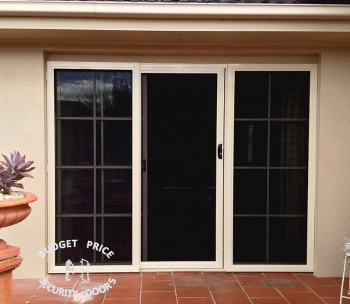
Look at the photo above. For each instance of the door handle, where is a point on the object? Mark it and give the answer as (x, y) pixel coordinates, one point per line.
(220, 147)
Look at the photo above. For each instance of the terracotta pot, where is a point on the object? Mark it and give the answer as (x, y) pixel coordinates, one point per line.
(12, 212)
(15, 210)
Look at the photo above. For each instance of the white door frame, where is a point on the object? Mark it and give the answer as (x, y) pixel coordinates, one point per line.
(225, 132)
(198, 69)
(229, 156)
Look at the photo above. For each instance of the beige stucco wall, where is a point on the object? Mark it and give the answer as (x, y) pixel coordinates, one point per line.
(22, 112)
(333, 178)
(22, 101)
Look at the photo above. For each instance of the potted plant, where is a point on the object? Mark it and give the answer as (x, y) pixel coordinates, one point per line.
(14, 208)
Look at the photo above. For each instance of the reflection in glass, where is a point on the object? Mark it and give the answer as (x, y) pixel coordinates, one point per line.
(289, 143)
(77, 187)
(75, 140)
(288, 191)
(117, 187)
(74, 93)
(250, 143)
(288, 240)
(93, 133)
(290, 94)
(113, 93)
(271, 136)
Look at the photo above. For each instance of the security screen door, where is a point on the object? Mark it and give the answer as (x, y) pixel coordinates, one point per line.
(182, 171)
(95, 129)
(271, 213)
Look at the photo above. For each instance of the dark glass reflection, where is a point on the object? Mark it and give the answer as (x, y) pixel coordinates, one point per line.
(251, 94)
(76, 192)
(118, 236)
(271, 136)
(250, 147)
(117, 142)
(290, 94)
(93, 134)
(289, 143)
(250, 192)
(74, 228)
(74, 93)
(249, 235)
(288, 191)
(113, 93)
(288, 240)
(117, 191)
(74, 139)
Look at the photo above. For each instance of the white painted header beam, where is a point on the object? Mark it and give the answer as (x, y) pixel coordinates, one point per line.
(173, 10)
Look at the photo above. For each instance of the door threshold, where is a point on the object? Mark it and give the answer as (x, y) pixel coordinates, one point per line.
(161, 270)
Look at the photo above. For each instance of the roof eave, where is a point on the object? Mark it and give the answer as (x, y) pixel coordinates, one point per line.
(173, 10)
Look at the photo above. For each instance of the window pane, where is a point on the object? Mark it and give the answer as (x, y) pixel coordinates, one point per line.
(250, 194)
(114, 93)
(117, 191)
(249, 234)
(290, 94)
(77, 191)
(250, 147)
(251, 94)
(288, 191)
(288, 240)
(118, 237)
(74, 93)
(117, 142)
(74, 228)
(74, 141)
(289, 144)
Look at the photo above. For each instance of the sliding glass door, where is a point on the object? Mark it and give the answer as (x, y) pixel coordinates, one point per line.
(95, 167)
(270, 211)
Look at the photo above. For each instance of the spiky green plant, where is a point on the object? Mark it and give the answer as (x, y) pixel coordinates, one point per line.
(13, 170)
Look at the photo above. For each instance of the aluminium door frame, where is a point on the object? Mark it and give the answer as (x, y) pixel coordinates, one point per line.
(229, 163)
(220, 70)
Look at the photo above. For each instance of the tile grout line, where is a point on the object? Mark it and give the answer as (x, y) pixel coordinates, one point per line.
(141, 278)
(105, 294)
(34, 294)
(311, 289)
(243, 289)
(172, 274)
(76, 282)
(211, 294)
(278, 290)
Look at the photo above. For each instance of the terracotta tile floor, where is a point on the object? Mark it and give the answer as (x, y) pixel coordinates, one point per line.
(181, 288)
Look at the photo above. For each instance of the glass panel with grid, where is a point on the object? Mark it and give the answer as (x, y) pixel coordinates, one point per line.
(93, 128)
(271, 167)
